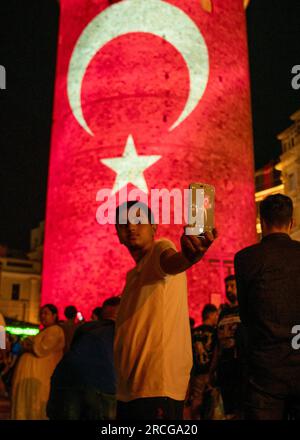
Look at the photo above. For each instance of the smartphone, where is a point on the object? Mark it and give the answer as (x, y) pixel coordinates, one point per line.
(201, 209)
(79, 316)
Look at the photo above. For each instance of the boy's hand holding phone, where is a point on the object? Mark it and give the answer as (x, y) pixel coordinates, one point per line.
(194, 247)
(201, 232)
(198, 235)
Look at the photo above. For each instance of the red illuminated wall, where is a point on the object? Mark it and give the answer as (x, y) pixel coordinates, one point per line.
(138, 84)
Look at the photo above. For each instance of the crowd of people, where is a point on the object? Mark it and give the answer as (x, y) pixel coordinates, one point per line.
(217, 383)
(27, 364)
(8, 360)
(66, 372)
(141, 357)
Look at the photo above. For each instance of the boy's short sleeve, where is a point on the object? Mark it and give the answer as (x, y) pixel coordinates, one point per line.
(161, 246)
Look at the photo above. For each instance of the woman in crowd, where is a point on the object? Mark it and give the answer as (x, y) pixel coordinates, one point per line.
(31, 381)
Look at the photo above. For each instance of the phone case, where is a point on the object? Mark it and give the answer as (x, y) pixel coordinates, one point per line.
(201, 215)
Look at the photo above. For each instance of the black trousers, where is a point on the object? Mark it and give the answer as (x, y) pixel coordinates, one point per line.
(88, 403)
(230, 381)
(150, 408)
(271, 401)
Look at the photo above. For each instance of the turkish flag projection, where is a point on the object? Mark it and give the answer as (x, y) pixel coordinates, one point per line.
(149, 94)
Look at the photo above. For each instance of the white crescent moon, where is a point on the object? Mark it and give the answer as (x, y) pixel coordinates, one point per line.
(149, 16)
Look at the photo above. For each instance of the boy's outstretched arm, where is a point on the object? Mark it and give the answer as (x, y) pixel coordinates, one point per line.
(192, 250)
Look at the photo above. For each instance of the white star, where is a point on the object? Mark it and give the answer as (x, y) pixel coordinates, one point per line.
(130, 167)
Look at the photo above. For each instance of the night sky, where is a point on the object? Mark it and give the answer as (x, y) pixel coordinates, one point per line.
(28, 36)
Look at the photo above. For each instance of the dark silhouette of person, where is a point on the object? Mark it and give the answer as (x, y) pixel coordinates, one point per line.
(268, 282)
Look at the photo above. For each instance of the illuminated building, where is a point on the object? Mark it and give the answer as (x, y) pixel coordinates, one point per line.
(149, 94)
(289, 166)
(20, 281)
(283, 176)
(267, 182)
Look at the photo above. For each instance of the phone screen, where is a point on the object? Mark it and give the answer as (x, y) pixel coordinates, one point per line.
(79, 316)
(201, 213)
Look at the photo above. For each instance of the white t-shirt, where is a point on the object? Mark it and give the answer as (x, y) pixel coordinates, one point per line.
(153, 354)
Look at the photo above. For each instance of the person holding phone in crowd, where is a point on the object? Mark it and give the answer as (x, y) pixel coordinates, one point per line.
(152, 350)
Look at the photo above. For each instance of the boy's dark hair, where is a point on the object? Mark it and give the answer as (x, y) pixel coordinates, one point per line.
(70, 312)
(140, 205)
(112, 302)
(276, 210)
(207, 310)
(229, 278)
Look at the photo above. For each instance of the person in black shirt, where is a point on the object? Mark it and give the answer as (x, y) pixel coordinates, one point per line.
(204, 341)
(83, 385)
(227, 362)
(268, 281)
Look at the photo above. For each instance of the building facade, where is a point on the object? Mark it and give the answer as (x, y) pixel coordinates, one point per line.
(283, 176)
(267, 182)
(20, 280)
(289, 166)
(20, 283)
